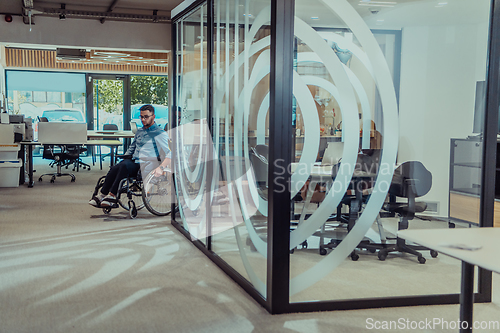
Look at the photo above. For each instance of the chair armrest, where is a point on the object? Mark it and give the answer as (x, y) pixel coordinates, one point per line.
(124, 157)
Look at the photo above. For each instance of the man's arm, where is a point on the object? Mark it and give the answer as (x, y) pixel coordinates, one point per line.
(163, 141)
(131, 148)
(164, 166)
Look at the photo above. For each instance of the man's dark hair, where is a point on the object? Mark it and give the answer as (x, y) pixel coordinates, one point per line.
(147, 107)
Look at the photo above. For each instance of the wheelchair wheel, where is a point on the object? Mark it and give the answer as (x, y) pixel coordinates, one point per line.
(156, 194)
(135, 191)
(132, 211)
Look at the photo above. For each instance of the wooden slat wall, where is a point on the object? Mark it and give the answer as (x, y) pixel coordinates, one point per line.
(46, 59)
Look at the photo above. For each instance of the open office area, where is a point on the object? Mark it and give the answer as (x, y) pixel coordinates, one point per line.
(325, 154)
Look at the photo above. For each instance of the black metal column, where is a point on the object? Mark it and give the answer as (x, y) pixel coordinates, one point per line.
(490, 141)
(280, 154)
(210, 145)
(172, 82)
(127, 110)
(466, 297)
(89, 101)
(127, 104)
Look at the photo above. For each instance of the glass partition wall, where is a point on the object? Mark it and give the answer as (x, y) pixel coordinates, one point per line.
(301, 124)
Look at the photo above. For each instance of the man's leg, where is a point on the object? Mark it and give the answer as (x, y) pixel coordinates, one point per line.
(112, 180)
(127, 168)
(111, 176)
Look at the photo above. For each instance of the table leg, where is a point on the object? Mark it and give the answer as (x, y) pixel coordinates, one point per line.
(112, 156)
(309, 194)
(30, 166)
(22, 171)
(355, 205)
(467, 297)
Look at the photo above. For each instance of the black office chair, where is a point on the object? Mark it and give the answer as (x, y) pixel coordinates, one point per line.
(60, 158)
(367, 161)
(73, 153)
(108, 127)
(411, 180)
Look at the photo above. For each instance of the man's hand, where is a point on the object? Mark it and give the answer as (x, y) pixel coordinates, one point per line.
(158, 172)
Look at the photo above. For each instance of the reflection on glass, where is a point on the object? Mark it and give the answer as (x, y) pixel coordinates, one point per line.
(241, 103)
(191, 133)
(374, 94)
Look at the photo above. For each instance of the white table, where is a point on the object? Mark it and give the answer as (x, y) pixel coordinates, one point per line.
(109, 134)
(323, 174)
(319, 174)
(486, 256)
(112, 144)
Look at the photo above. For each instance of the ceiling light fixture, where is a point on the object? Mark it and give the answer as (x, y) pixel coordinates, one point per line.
(377, 3)
(62, 16)
(314, 18)
(374, 5)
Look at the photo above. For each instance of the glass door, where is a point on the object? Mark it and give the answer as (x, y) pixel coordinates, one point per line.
(108, 99)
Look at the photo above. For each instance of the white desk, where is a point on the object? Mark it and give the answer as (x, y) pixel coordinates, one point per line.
(112, 144)
(109, 134)
(485, 257)
(323, 174)
(319, 174)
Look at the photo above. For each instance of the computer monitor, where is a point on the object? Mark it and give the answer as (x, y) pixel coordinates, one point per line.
(479, 107)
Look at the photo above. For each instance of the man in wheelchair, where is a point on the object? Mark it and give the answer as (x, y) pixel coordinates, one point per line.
(149, 145)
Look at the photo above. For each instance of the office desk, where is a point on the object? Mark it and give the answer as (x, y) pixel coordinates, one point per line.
(109, 134)
(319, 174)
(112, 144)
(28, 161)
(95, 136)
(485, 257)
(323, 174)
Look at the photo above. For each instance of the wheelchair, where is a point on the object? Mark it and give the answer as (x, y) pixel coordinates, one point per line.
(135, 193)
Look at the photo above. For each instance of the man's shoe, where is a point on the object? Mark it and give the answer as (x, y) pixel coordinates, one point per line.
(96, 200)
(109, 201)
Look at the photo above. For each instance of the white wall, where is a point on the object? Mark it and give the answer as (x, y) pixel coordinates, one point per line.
(85, 33)
(439, 69)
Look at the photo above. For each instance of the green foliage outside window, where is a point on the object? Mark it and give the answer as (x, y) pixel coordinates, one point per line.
(149, 90)
(143, 90)
(110, 94)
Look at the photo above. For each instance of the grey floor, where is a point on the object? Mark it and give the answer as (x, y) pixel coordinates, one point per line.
(67, 267)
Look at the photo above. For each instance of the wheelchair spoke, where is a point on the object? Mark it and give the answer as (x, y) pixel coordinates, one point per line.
(156, 194)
